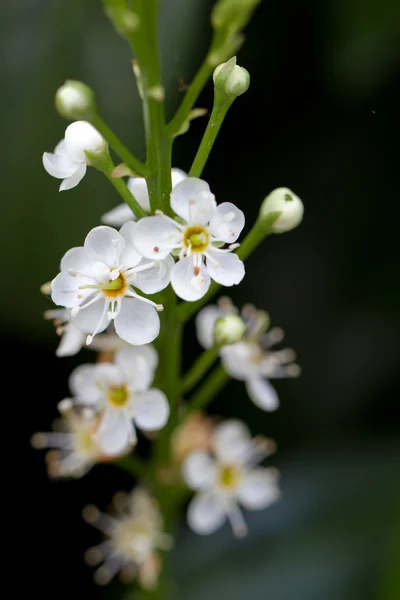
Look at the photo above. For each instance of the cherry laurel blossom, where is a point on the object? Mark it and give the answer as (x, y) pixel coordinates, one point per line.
(229, 478)
(203, 227)
(98, 280)
(120, 394)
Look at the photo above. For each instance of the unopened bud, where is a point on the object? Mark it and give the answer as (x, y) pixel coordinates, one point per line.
(75, 100)
(284, 201)
(228, 330)
(231, 79)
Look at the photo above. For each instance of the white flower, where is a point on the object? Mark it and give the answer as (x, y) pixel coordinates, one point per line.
(252, 359)
(134, 534)
(75, 448)
(205, 228)
(97, 282)
(284, 201)
(120, 394)
(228, 478)
(69, 161)
(137, 185)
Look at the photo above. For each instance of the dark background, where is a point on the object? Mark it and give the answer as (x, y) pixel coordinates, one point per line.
(321, 117)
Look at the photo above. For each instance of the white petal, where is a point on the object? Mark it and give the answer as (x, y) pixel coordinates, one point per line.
(76, 259)
(198, 470)
(205, 513)
(205, 322)
(83, 384)
(151, 410)
(130, 256)
(58, 165)
(155, 237)
(227, 223)
(240, 360)
(192, 200)
(137, 322)
(258, 489)
(118, 216)
(73, 180)
(225, 268)
(105, 244)
(115, 432)
(232, 441)
(60, 148)
(65, 289)
(155, 279)
(80, 136)
(177, 175)
(92, 318)
(262, 393)
(186, 284)
(138, 189)
(137, 364)
(71, 342)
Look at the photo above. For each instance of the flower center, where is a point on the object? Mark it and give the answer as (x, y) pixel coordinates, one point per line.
(115, 288)
(117, 395)
(228, 477)
(196, 238)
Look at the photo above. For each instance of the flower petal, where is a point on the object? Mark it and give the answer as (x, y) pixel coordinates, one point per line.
(74, 179)
(205, 513)
(65, 289)
(198, 470)
(227, 223)
(192, 200)
(258, 489)
(151, 410)
(232, 441)
(262, 393)
(76, 259)
(83, 385)
(105, 244)
(137, 364)
(92, 318)
(155, 237)
(205, 322)
(177, 175)
(186, 284)
(119, 215)
(137, 322)
(138, 188)
(155, 279)
(59, 165)
(130, 256)
(240, 360)
(115, 432)
(71, 342)
(225, 268)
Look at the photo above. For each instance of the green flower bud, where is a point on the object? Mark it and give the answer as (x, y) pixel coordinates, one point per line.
(232, 14)
(228, 330)
(284, 201)
(75, 101)
(231, 79)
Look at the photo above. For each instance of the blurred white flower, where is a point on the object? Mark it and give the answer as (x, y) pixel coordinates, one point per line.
(120, 394)
(206, 227)
(229, 478)
(137, 185)
(97, 283)
(134, 535)
(69, 161)
(252, 359)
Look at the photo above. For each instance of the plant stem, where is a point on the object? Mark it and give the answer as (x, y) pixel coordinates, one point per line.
(207, 392)
(126, 195)
(118, 147)
(198, 370)
(218, 115)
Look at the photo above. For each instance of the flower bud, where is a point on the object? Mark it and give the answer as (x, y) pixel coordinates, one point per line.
(75, 100)
(232, 14)
(81, 137)
(231, 79)
(284, 201)
(228, 330)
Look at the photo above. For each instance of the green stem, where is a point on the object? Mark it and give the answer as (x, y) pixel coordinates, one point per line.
(126, 195)
(198, 370)
(207, 392)
(118, 147)
(218, 115)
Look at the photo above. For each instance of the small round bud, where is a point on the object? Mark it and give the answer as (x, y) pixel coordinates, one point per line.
(81, 137)
(288, 204)
(231, 79)
(75, 100)
(228, 330)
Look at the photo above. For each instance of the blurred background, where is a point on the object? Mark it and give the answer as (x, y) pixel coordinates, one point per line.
(322, 118)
